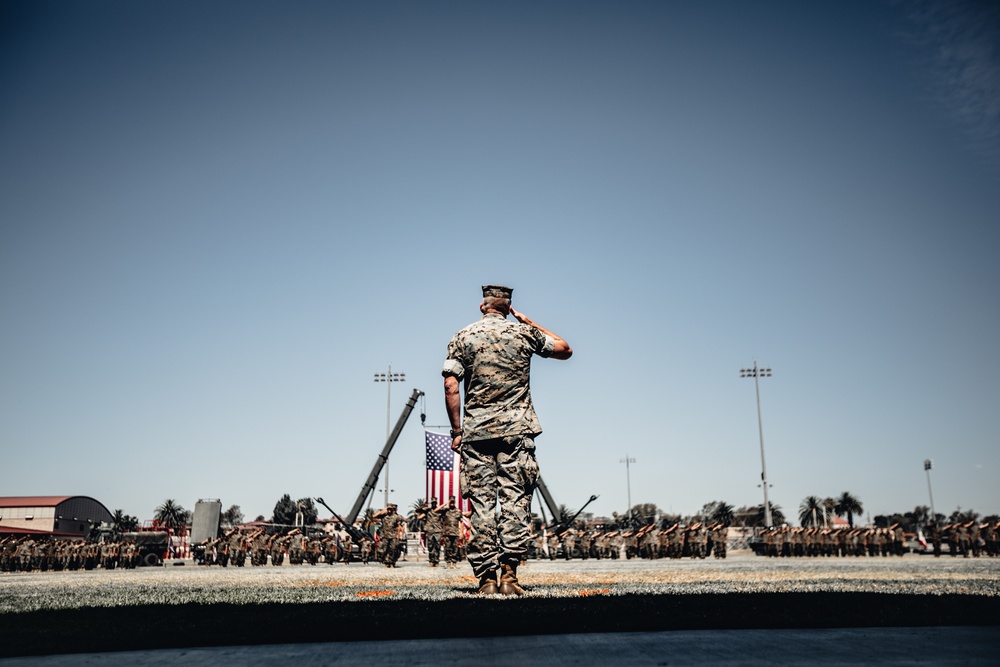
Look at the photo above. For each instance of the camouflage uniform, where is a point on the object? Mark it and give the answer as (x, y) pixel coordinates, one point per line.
(720, 535)
(990, 539)
(389, 542)
(432, 531)
(539, 545)
(451, 526)
(345, 546)
(279, 547)
(584, 543)
(553, 544)
(366, 550)
(935, 534)
(898, 541)
(569, 543)
(237, 548)
(313, 550)
(650, 542)
(258, 548)
(962, 533)
(493, 359)
(296, 553)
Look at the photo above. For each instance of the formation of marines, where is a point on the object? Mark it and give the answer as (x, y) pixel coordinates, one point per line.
(238, 545)
(443, 531)
(967, 538)
(41, 554)
(235, 547)
(814, 542)
(963, 538)
(696, 540)
(442, 525)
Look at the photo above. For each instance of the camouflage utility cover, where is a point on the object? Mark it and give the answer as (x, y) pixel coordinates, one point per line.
(493, 357)
(390, 523)
(432, 522)
(451, 519)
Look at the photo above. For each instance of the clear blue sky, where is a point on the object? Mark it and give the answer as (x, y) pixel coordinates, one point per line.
(219, 220)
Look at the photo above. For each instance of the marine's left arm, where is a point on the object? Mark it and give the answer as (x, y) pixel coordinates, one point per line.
(453, 404)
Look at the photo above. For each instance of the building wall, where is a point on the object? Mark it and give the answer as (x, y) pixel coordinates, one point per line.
(76, 514)
(34, 518)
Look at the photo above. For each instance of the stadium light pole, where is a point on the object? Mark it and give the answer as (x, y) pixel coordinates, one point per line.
(928, 464)
(388, 377)
(628, 481)
(756, 374)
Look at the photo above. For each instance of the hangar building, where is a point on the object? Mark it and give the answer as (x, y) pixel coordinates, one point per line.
(65, 516)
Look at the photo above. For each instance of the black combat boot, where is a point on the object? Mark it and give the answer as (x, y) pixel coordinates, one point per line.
(488, 583)
(508, 580)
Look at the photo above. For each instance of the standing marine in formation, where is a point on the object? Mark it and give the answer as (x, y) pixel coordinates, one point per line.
(389, 534)
(431, 517)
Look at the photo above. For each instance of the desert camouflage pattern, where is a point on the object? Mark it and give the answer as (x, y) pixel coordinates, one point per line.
(493, 358)
(503, 468)
(389, 542)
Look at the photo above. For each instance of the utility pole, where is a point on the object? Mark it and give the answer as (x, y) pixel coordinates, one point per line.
(628, 481)
(757, 373)
(388, 377)
(928, 464)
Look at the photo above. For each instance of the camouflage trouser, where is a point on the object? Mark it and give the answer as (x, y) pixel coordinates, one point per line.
(451, 548)
(433, 548)
(501, 469)
(390, 551)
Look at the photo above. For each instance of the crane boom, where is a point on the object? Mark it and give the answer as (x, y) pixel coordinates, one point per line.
(383, 457)
(557, 516)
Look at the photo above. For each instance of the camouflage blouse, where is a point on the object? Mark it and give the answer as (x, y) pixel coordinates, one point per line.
(493, 357)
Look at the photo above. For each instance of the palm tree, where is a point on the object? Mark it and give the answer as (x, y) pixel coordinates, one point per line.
(723, 513)
(122, 522)
(808, 511)
(172, 515)
(415, 524)
(777, 516)
(828, 505)
(564, 513)
(849, 505)
(755, 516)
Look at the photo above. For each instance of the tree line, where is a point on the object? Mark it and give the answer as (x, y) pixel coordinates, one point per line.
(814, 512)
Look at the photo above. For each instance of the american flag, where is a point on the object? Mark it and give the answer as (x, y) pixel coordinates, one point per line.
(442, 471)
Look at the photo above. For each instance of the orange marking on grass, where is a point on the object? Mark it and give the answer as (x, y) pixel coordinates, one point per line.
(368, 594)
(594, 591)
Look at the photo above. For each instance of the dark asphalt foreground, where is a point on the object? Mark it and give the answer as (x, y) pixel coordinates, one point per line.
(914, 610)
(882, 646)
